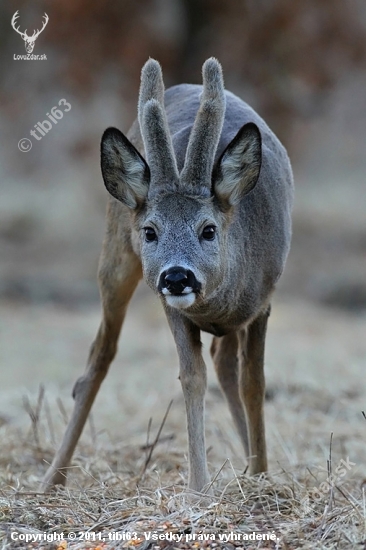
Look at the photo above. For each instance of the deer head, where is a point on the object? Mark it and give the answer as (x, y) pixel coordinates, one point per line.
(29, 40)
(181, 218)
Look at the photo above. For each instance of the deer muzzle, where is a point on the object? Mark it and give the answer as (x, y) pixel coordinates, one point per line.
(179, 286)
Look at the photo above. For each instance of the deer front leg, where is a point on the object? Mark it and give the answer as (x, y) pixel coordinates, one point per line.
(192, 375)
(252, 389)
(117, 283)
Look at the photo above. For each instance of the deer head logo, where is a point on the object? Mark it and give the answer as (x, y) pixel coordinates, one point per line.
(29, 40)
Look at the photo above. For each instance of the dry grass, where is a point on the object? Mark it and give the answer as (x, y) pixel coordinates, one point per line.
(136, 484)
(140, 490)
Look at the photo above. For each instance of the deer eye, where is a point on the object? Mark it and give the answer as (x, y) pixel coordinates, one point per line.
(209, 232)
(150, 234)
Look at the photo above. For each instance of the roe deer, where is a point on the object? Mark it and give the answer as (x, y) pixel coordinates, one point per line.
(201, 208)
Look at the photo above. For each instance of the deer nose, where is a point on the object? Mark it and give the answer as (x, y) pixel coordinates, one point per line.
(178, 280)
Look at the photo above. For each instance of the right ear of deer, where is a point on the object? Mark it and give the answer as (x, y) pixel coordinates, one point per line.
(125, 173)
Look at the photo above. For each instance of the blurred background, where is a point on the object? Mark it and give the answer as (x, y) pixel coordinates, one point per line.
(301, 65)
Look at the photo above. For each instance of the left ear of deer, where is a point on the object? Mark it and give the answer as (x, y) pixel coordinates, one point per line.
(237, 170)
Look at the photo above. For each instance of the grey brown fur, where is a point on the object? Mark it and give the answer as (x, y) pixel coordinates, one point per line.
(200, 206)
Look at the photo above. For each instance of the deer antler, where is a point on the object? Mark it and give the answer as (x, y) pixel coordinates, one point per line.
(37, 32)
(13, 21)
(206, 131)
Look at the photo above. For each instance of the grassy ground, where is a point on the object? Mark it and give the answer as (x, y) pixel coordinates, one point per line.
(125, 479)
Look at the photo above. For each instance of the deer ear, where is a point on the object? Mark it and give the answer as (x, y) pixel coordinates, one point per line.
(126, 174)
(237, 170)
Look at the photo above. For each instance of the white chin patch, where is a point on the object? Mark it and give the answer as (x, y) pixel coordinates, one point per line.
(180, 302)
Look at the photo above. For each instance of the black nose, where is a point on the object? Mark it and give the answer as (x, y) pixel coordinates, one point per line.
(177, 279)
